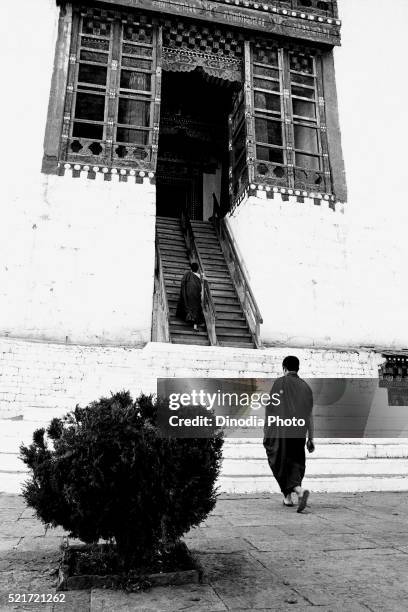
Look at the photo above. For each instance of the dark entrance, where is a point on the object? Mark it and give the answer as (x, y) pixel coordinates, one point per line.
(193, 143)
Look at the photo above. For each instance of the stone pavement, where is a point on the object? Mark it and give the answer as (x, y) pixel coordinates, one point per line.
(348, 552)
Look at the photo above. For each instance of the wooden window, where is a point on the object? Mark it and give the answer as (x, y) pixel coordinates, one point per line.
(111, 113)
(286, 122)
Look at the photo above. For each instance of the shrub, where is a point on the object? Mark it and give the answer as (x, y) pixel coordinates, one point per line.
(109, 473)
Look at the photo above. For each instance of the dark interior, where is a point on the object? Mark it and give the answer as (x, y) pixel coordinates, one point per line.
(193, 140)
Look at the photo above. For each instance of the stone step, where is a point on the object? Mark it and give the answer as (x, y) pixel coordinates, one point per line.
(325, 449)
(320, 467)
(318, 484)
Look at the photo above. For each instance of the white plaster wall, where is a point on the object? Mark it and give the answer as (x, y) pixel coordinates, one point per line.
(296, 260)
(77, 256)
(333, 279)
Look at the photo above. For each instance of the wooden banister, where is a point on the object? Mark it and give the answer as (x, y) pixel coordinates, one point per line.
(161, 316)
(194, 255)
(239, 277)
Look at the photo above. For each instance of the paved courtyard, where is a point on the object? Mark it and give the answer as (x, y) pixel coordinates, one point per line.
(347, 552)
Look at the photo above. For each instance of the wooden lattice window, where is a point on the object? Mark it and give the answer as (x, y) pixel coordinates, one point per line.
(289, 119)
(111, 114)
(285, 125)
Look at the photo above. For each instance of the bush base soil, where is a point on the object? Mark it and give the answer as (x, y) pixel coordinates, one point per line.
(98, 567)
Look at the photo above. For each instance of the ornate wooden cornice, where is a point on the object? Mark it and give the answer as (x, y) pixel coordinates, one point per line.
(299, 19)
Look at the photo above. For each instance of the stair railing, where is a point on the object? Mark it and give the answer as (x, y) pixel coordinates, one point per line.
(239, 277)
(194, 255)
(161, 315)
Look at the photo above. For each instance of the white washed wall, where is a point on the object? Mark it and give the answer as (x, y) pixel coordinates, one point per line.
(77, 256)
(324, 278)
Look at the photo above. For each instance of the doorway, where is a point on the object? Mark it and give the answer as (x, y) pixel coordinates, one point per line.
(193, 158)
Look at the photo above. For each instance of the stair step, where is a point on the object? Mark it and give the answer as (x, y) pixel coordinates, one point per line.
(179, 323)
(227, 308)
(172, 247)
(172, 290)
(177, 260)
(220, 268)
(222, 286)
(207, 240)
(168, 231)
(186, 339)
(223, 317)
(173, 276)
(227, 300)
(233, 333)
(204, 236)
(169, 239)
(223, 292)
(188, 331)
(172, 268)
(172, 282)
(210, 256)
(167, 221)
(225, 326)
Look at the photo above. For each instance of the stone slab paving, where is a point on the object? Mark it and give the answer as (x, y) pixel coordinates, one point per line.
(347, 552)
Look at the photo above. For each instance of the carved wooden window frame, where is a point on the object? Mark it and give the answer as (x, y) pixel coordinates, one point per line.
(294, 89)
(109, 151)
(288, 89)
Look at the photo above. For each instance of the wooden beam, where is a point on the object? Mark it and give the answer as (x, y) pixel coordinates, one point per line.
(55, 113)
(240, 17)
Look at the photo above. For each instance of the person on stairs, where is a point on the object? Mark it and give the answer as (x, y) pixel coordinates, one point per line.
(189, 307)
(285, 446)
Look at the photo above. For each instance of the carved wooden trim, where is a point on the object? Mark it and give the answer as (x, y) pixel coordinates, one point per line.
(179, 60)
(274, 19)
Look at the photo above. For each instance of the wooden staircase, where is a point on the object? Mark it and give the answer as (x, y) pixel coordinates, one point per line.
(230, 322)
(175, 262)
(231, 326)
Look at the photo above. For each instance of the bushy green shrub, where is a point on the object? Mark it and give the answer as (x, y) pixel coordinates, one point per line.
(109, 473)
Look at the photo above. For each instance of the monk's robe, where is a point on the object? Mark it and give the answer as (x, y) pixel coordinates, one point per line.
(189, 305)
(285, 446)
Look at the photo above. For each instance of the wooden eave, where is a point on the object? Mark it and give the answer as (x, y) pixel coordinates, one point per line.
(310, 27)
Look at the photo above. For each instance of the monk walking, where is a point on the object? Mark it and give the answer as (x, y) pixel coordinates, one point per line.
(189, 306)
(285, 446)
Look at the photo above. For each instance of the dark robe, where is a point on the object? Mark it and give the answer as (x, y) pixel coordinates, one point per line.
(285, 446)
(189, 305)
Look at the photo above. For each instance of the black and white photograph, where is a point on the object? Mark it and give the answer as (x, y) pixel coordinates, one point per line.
(204, 306)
